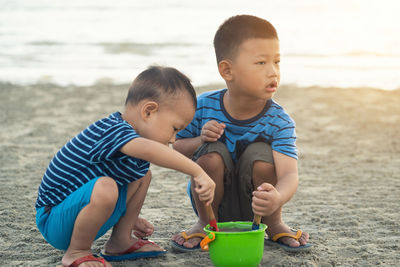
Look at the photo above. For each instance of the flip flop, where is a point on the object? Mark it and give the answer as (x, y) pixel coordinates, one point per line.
(274, 241)
(87, 258)
(130, 253)
(181, 248)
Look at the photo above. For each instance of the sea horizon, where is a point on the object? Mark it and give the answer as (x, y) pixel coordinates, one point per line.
(328, 44)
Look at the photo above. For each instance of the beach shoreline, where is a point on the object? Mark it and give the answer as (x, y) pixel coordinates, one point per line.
(349, 167)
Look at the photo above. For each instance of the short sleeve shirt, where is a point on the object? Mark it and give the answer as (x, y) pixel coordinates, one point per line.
(273, 126)
(92, 153)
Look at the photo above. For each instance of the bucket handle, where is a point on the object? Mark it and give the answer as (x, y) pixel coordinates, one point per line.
(204, 243)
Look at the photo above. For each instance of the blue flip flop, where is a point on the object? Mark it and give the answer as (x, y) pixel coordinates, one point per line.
(179, 248)
(130, 253)
(274, 241)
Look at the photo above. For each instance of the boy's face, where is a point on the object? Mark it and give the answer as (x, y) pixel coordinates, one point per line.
(255, 71)
(163, 124)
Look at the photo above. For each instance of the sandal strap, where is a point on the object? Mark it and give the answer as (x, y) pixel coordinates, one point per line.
(140, 243)
(296, 237)
(87, 258)
(187, 237)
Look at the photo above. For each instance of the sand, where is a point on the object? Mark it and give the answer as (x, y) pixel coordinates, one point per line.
(349, 165)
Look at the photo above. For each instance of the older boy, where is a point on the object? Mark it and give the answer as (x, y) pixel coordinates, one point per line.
(242, 138)
(99, 179)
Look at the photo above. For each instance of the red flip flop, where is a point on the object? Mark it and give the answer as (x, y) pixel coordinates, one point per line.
(87, 258)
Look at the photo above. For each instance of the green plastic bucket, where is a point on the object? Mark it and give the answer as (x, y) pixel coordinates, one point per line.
(236, 245)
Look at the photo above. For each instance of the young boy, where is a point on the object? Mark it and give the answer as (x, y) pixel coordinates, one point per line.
(99, 179)
(242, 138)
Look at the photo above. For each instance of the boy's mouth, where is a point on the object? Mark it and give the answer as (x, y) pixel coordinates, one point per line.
(271, 87)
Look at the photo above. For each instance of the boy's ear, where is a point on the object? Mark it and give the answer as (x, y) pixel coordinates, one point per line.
(148, 108)
(225, 69)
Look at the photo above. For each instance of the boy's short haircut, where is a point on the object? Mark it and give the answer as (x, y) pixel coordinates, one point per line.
(156, 82)
(237, 29)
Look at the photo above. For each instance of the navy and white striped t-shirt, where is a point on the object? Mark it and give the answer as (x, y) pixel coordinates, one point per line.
(92, 153)
(273, 126)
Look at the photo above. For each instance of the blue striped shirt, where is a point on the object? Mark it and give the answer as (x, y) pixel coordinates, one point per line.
(92, 153)
(273, 126)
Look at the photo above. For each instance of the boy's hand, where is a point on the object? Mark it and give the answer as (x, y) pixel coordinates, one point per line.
(266, 200)
(212, 131)
(204, 187)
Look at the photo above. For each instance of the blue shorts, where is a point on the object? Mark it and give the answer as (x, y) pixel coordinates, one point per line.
(56, 224)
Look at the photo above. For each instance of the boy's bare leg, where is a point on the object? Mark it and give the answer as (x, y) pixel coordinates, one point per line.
(89, 221)
(121, 237)
(264, 172)
(213, 165)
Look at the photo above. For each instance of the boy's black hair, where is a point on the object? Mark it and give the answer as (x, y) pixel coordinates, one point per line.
(237, 29)
(156, 82)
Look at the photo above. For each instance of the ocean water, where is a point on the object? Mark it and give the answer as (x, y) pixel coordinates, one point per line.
(342, 43)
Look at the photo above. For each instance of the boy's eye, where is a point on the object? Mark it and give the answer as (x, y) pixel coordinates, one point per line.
(277, 62)
(261, 63)
(175, 129)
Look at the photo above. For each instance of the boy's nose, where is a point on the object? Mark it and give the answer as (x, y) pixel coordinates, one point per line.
(272, 70)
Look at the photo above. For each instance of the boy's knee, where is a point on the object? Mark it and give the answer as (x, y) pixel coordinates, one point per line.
(258, 156)
(263, 169)
(105, 192)
(211, 161)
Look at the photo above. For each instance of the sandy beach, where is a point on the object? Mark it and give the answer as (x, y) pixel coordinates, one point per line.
(349, 165)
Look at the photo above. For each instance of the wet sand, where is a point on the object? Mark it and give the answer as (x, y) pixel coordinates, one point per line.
(349, 165)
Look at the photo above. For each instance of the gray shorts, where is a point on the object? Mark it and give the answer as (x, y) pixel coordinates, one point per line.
(238, 182)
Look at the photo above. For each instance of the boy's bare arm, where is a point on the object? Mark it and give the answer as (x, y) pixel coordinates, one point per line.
(187, 146)
(286, 174)
(164, 156)
(161, 155)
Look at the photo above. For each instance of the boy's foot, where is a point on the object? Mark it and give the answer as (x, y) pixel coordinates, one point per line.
(135, 251)
(74, 256)
(118, 248)
(192, 242)
(291, 242)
